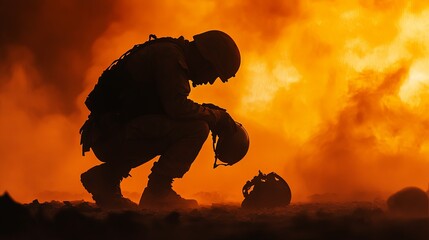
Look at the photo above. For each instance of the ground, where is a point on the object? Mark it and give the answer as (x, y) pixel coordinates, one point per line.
(84, 220)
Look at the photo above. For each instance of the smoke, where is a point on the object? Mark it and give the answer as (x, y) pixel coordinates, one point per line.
(45, 51)
(371, 148)
(332, 93)
(345, 88)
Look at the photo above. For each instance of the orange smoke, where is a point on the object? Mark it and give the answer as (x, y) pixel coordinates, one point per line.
(332, 93)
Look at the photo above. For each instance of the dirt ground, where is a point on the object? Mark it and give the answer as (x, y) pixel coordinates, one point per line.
(83, 220)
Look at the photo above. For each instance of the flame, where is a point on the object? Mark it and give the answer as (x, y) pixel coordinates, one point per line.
(333, 93)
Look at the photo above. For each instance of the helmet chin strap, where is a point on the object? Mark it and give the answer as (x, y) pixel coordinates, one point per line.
(215, 164)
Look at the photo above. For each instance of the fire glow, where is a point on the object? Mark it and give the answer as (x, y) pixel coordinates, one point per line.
(333, 94)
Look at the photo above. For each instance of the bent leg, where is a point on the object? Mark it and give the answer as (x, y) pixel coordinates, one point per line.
(177, 142)
(184, 144)
(180, 148)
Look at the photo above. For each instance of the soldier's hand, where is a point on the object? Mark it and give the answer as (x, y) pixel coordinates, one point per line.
(225, 124)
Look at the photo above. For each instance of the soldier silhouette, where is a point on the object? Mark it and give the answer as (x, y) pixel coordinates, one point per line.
(151, 115)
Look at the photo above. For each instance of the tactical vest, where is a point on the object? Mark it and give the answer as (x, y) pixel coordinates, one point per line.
(106, 95)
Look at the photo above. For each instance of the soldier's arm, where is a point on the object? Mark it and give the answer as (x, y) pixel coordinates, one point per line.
(174, 88)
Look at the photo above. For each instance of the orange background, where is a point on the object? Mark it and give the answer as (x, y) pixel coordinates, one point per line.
(334, 94)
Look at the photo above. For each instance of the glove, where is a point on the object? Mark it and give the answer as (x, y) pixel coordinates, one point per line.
(224, 124)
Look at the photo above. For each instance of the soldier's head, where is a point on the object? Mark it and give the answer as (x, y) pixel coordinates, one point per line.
(219, 57)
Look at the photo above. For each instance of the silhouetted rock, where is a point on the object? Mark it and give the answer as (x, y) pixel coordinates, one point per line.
(125, 225)
(410, 201)
(14, 217)
(70, 223)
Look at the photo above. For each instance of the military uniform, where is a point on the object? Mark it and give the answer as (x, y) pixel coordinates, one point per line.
(160, 119)
(153, 117)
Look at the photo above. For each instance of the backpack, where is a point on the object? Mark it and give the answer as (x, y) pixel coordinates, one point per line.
(106, 95)
(107, 92)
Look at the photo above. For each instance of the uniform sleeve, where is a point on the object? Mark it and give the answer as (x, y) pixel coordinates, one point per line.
(174, 88)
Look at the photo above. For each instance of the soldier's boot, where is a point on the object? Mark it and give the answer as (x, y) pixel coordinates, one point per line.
(103, 182)
(159, 195)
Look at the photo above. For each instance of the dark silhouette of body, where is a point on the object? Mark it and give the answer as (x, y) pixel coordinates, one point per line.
(156, 118)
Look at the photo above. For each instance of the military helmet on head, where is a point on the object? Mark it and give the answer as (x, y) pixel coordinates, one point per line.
(220, 50)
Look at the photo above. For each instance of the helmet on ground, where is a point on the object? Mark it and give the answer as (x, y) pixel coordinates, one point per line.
(267, 191)
(232, 147)
(220, 50)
